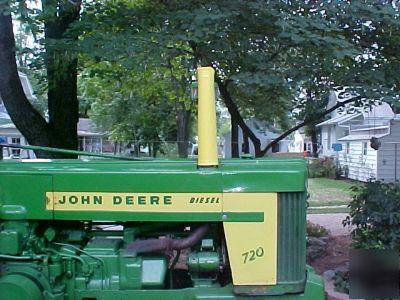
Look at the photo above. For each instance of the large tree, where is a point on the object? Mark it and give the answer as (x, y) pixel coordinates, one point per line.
(60, 130)
(138, 106)
(264, 51)
(151, 78)
(257, 48)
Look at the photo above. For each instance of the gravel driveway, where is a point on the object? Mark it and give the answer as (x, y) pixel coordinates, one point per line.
(332, 222)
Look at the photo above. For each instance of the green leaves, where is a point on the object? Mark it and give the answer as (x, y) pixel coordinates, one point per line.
(138, 56)
(374, 212)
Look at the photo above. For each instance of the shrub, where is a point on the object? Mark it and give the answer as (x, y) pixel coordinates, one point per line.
(324, 167)
(316, 230)
(375, 213)
(341, 281)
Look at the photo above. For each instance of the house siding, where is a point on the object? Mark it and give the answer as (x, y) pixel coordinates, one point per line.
(329, 137)
(358, 166)
(388, 157)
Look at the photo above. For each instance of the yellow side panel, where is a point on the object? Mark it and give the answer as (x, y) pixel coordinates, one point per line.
(252, 247)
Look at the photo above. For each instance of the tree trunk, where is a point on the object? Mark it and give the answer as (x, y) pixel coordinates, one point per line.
(235, 115)
(156, 147)
(27, 120)
(61, 131)
(137, 148)
(183, 119)
(234, 138)
(246, 146)
(314, 140)
(232, 109)
(61, 74)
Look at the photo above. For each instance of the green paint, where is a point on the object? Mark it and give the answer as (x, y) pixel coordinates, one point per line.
(100, 268)
(267, 175)
(159, 216)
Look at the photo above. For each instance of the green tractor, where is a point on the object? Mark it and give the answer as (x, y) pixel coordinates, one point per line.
(156, 229)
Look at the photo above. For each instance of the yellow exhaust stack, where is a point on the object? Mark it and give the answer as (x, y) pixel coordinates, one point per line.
(206, 119)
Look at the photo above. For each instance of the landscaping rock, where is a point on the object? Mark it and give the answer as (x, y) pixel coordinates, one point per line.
(316, 247)
(329, 274)
(325, 238)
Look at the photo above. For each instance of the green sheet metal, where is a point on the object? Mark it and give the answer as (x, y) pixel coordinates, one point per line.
(22, 188)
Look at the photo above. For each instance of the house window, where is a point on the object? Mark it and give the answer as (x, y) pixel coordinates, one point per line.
(347, 148)
(17, 141)
(365, 148)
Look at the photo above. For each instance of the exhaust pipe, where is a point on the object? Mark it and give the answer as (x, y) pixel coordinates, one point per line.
(206, 119)
(166, 244)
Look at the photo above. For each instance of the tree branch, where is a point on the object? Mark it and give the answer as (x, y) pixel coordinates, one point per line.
(235, 114)
(279, 51)
(305, 122)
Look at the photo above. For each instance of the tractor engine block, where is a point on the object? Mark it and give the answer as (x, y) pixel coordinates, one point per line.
(54, 263)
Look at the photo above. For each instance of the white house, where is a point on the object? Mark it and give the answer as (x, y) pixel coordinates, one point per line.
(300, 142)
(90, 139)
(369, 139)
(362, 162)
(264, 132)
(340, 121)
(333, 129)
(11, 134)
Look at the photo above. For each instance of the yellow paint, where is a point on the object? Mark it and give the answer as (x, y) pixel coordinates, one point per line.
(49, 201)
(136, 202)
(206, 121)
(242, 238)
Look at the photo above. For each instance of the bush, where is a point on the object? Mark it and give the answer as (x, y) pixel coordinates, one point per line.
(375, 213)
(316, 230)
(324, 167)
(341, 281)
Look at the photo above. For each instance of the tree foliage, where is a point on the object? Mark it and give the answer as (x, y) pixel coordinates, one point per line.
(254, 45)
(140, 105)
(139, 56)
(134, 75)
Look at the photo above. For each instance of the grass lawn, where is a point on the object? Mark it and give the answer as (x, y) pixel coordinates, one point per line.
(329, 192)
